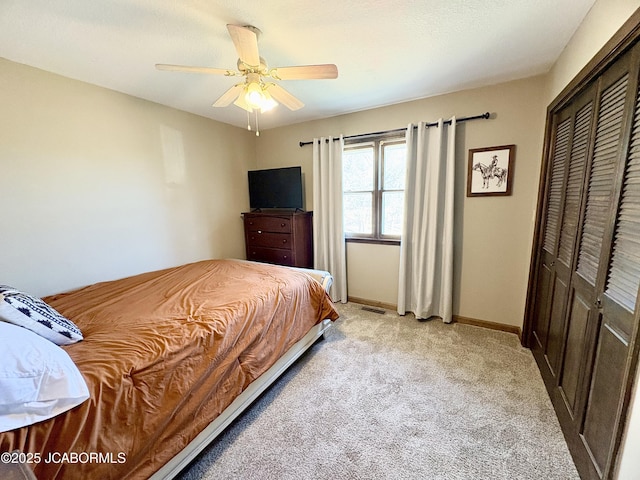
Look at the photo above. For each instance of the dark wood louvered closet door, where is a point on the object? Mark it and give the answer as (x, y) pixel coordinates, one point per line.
(602, 394)
(582, 305)
(573, 321)
(554, 201)
(597, 387)
(570, 148)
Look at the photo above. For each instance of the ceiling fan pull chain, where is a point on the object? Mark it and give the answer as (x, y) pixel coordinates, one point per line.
(257, 128)
(248, 121)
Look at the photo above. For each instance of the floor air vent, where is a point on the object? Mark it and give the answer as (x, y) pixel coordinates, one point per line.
(374, 310)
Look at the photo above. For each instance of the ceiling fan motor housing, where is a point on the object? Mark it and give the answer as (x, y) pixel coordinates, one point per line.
(244, 68)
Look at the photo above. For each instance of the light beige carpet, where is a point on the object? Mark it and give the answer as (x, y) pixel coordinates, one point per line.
(389, 397)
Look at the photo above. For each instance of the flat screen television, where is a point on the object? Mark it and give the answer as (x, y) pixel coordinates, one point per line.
(275, 188)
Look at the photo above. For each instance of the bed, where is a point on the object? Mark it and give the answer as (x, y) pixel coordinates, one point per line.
(170, 358)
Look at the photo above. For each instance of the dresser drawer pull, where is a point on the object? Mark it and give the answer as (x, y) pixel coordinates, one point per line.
(259, 231)
(284, 241)
(283, 224)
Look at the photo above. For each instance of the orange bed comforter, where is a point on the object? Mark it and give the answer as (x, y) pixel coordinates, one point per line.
(164, 353)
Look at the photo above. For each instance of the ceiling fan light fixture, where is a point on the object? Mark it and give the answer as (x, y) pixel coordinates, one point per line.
(254, 96)
(268, 103)
(242, 103)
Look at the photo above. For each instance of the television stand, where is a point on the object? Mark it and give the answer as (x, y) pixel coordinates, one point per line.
(283, 237)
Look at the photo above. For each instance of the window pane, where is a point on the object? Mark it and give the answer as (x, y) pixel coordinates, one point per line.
(357, 211)
(392, 207)
(357, 169)
(394, 166)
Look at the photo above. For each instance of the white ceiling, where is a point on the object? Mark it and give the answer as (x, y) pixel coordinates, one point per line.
(387, 51)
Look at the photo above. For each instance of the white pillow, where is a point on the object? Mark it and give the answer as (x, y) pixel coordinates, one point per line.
(323, 277)
(38, 380)
(30, 312)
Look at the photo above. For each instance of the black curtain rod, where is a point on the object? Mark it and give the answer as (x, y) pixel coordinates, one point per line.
(398, 130)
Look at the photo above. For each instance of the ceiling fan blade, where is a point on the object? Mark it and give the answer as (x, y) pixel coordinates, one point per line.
(284, 97)
(246, 43)
(183, 68)
(227, 97)
(305, 72)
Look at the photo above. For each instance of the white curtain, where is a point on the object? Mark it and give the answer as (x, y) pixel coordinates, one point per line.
(328, 230)
(425, 285)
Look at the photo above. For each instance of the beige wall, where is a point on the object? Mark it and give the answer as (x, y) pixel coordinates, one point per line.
(98, 185)
(601, 23)
(493, 235)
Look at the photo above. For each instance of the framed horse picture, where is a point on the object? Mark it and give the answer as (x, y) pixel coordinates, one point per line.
(490, 171)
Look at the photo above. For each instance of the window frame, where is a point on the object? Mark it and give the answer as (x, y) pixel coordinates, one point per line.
(378, 143)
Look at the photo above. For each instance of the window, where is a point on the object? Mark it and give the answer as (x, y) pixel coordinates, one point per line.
(373, 180)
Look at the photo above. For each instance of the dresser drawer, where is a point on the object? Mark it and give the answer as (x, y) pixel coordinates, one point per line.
(268, 239)
(267, 224)
(270, 255)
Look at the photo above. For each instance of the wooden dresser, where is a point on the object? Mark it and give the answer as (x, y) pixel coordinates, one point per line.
(283, 237)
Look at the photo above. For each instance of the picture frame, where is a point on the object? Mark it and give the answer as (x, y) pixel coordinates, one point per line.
(490, 171)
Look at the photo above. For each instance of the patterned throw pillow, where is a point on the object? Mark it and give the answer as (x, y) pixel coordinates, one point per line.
(33, 314)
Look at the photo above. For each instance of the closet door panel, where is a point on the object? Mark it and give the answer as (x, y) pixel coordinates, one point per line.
(555, 196)
(602, 414)
(597, 189)
(623, 277)
(617, 306)
(546, 285)
(556, 326)
(602, 177)
(578, 149)
(574, 183)
(576, 347)
(541, 325)
(577, 314)
(606, 258)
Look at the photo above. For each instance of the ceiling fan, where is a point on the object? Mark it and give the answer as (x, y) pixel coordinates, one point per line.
(257, 91)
